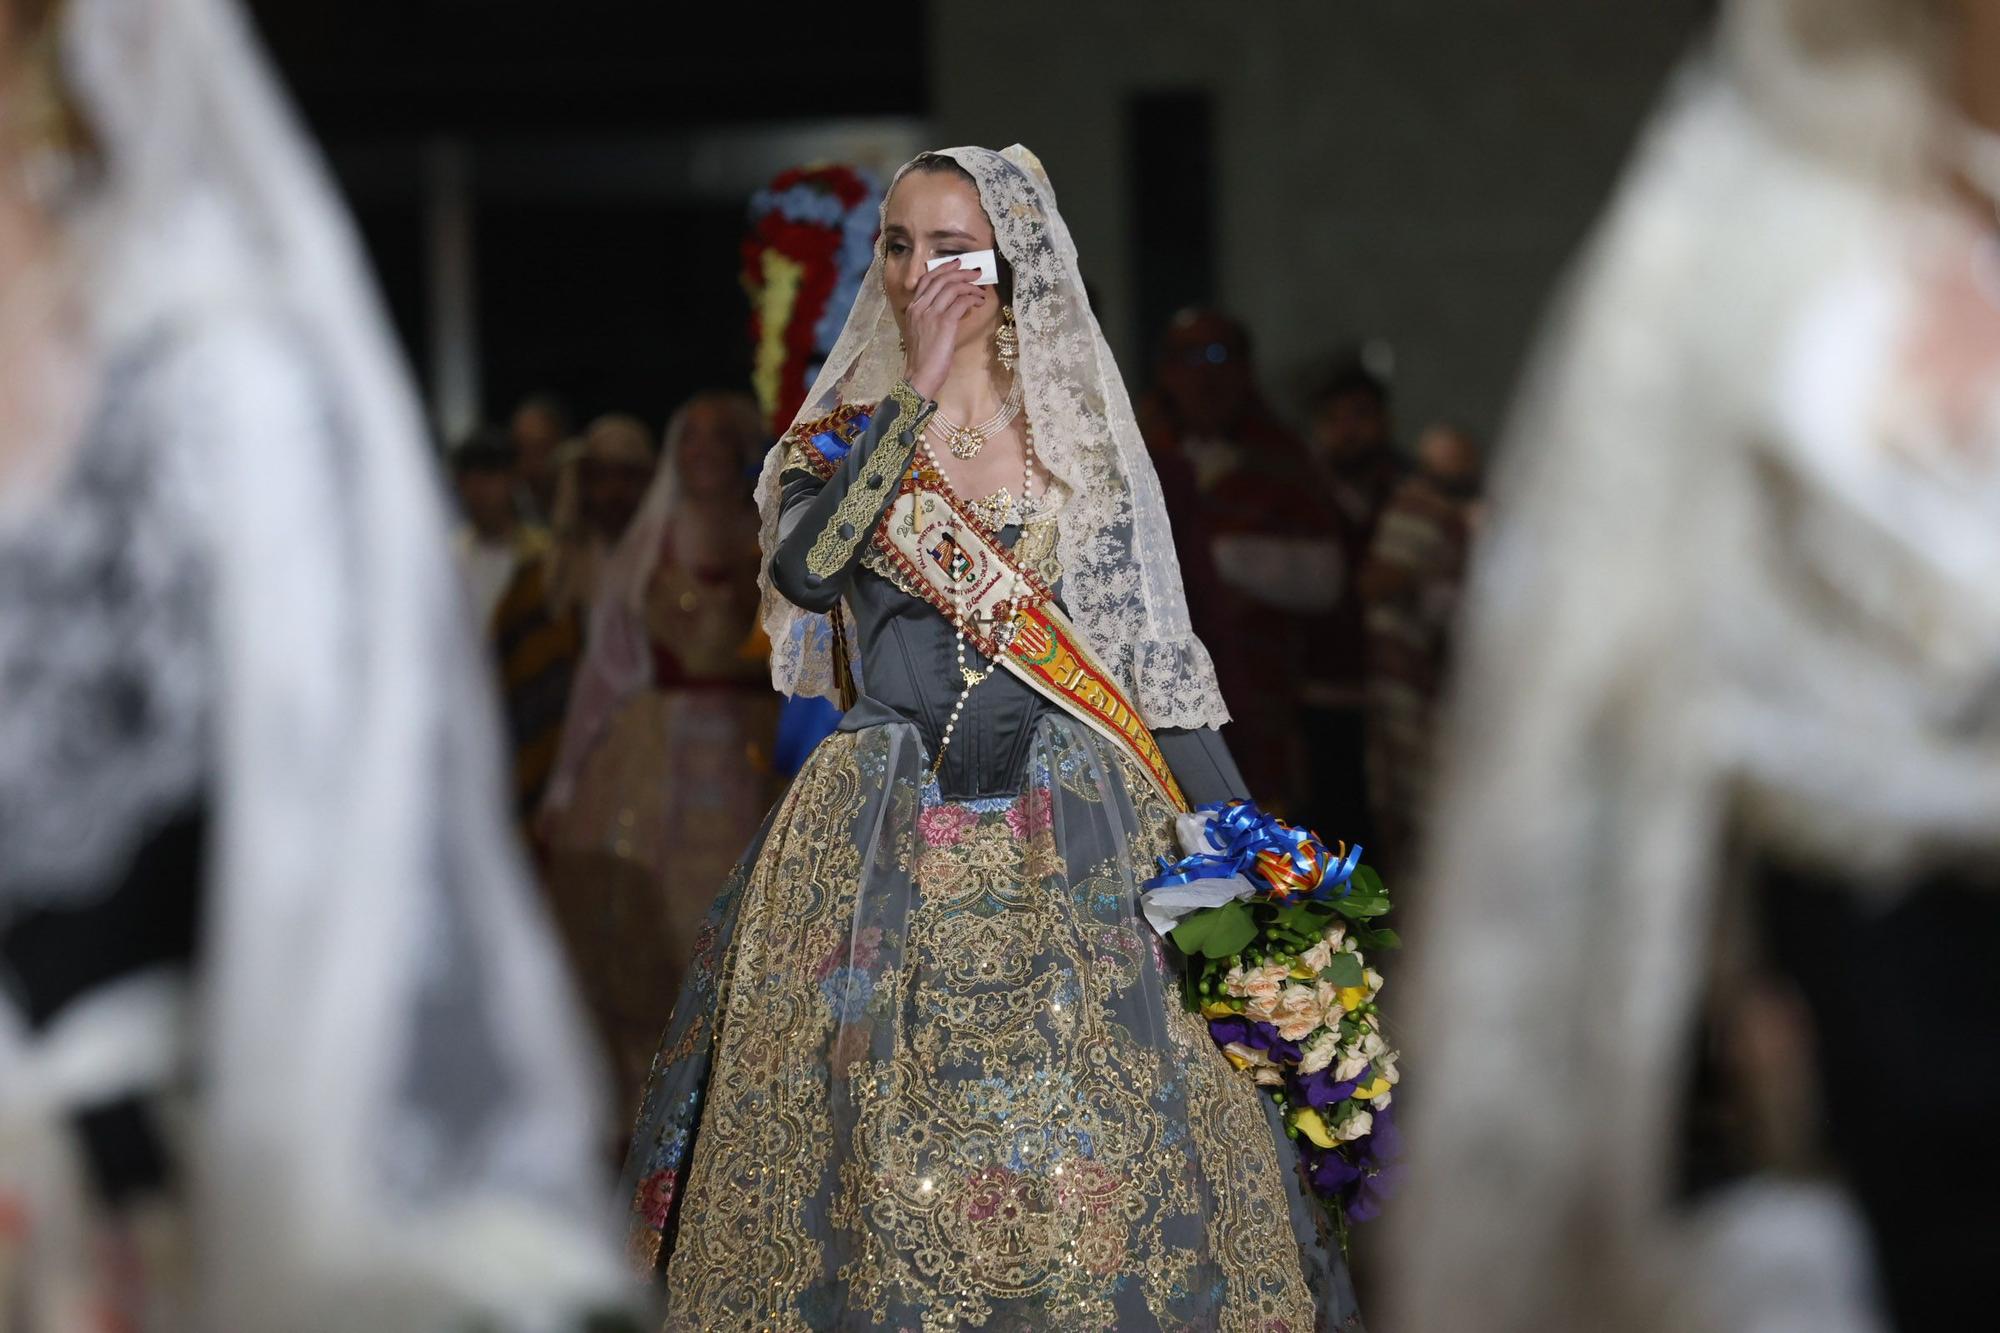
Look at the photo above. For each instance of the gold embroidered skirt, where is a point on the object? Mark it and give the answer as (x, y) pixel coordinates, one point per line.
(930, 1070)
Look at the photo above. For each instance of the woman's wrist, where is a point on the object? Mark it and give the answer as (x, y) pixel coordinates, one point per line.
(926, 386)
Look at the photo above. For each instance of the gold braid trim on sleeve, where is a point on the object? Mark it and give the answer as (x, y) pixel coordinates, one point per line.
(849, 527)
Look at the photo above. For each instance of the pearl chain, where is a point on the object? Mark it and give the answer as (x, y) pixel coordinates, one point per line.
(973, 678)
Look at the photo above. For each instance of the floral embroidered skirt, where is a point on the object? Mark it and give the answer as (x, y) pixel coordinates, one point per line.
(930, 1070)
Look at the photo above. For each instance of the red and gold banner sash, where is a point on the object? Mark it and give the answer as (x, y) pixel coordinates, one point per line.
(948, 558)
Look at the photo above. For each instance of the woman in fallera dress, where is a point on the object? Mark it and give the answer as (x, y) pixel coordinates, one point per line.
(930, 1068)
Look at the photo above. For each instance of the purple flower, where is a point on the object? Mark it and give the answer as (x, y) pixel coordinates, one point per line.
(1384, 1145)
(1363, 1181)
(1381, 1152)
(1257, 1035)
(1330, 1173)
(1365, 1205)
(1319, 1090)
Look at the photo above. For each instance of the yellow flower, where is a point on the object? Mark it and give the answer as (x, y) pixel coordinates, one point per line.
(1353, 997)
(1218, 1009)
(1313, 1127)
(1374, 1089)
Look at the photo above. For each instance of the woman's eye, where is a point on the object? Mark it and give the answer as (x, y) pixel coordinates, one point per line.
(895, 248)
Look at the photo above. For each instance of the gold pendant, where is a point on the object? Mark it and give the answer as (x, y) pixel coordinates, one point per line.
(965, 442)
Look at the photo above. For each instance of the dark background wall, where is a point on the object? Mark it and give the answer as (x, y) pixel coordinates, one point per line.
(606, 152)
(1411, 171)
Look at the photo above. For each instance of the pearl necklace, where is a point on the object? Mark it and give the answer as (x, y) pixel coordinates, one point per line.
(965, 442)
(973, 679)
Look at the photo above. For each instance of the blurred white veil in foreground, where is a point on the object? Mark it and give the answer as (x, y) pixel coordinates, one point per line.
(1744, 581)
(394, 1106)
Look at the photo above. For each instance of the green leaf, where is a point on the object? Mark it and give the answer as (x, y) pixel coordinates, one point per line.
(1345, 970)
(1367, 883)
(1216, 932)
(1308, 918)
(1368, 939)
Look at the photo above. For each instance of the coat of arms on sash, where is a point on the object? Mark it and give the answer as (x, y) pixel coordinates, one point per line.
(953, 560)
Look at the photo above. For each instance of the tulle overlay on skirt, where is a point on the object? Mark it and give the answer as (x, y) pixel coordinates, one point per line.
(930, 1070)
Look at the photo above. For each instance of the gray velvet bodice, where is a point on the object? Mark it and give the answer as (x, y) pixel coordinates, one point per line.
(907, 650)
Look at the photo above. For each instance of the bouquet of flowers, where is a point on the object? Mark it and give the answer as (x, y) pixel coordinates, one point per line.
(1276, 930)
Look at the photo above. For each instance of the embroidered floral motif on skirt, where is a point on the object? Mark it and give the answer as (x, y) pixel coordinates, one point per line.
(950, 1084)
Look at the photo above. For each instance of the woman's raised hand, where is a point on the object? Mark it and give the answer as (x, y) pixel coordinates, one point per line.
(945, 295)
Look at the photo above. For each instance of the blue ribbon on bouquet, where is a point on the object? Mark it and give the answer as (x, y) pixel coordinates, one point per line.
(1239, 832)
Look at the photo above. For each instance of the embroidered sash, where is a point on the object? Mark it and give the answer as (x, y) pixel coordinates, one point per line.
(948, 558)
(945, 556)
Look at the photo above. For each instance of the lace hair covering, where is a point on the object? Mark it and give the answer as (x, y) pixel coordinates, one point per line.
(1743, 582)
(394, 1122)
(1122, 581)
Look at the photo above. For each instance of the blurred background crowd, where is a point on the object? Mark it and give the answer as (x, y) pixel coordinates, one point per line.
(1320, 240)
(1319, 245)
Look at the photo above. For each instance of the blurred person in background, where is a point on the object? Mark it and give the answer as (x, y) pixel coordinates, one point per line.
(1355, 461)
(1409, 592)
(1726, 735)
(665, 767)
(541, 624)
(284, 1043)
(1264, 568)
(927, 1067)
(539, 427)
(492, 539)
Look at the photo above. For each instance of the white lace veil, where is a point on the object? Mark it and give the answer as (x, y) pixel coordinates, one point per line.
(395, 1113)
(1743, 581)
(1121, 579)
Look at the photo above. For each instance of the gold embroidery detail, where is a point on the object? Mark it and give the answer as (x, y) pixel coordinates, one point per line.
(1035, 549)
(1012, 1152)
(995, 511)
(1021, 1127)
(749, 1250)
(851, 522)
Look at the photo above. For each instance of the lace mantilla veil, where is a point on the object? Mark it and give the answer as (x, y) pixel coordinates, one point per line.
(1121, 579)
(394, 1116)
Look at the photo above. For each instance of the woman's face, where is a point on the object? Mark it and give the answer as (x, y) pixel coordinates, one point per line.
(934, 215)
(710, 454)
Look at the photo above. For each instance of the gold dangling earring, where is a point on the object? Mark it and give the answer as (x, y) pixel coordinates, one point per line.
(1006, 342)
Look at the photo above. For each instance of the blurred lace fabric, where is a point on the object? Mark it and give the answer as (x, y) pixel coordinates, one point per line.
(1742, 593)
(285, 1043)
